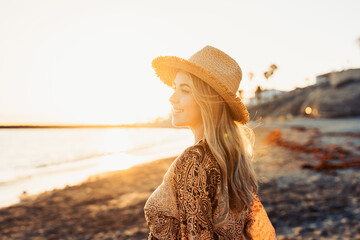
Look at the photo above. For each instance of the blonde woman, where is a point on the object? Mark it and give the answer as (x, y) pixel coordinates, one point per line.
(209, 191)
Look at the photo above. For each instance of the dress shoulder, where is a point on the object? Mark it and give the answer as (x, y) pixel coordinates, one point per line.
(197, 154)
(192, 153)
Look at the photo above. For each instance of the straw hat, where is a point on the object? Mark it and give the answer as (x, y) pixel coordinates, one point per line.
(214, 67)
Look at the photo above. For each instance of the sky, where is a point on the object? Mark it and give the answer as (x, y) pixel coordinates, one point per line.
(89, 62)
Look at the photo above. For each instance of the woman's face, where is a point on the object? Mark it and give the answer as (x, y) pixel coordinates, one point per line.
(186, 112)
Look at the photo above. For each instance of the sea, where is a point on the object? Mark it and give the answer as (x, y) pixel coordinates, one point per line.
(34, 160)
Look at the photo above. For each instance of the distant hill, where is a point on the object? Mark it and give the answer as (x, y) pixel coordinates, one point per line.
(325, 101)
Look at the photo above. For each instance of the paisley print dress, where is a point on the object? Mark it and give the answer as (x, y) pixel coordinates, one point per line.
(189, 203)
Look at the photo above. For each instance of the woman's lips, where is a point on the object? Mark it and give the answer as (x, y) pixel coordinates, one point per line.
(178, 110)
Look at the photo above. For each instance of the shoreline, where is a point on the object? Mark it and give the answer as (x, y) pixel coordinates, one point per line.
(59, 180)
(74, 170)
(301, 203)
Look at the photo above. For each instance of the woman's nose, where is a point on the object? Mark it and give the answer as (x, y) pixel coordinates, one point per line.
(174, 99)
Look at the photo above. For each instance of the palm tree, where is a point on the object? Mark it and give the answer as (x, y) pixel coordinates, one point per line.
(258, 93)
(270, 71)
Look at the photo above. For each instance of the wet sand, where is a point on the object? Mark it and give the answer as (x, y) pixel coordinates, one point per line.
(302, 201)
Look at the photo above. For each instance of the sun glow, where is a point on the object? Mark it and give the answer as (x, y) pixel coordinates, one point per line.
(90, 63)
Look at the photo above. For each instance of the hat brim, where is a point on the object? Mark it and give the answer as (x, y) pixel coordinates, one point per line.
(167, 67)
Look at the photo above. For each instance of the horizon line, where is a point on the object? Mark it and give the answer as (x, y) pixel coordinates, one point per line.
(79, 125)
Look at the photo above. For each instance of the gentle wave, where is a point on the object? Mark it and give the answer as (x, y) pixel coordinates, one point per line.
(54, 167)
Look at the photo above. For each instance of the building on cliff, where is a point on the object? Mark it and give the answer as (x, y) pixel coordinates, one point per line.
(338, 78)
(265, 96)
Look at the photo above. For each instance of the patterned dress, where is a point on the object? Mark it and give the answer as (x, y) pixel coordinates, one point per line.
(189, 204)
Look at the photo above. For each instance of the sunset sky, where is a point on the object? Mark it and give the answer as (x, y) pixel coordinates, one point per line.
(89, 62)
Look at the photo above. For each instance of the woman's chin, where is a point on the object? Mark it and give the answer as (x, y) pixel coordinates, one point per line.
(178, 124)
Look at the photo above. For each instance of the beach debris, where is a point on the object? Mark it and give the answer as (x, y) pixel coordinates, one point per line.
(328, 157)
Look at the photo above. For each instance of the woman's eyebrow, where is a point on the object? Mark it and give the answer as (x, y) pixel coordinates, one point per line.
(182, 85)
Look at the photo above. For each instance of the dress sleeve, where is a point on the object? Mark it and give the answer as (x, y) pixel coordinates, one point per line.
(195, 188)
(258, 225)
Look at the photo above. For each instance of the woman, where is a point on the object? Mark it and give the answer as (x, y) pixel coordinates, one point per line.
(209, 191)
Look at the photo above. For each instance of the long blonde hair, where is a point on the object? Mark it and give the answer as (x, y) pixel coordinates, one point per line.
(230, 142)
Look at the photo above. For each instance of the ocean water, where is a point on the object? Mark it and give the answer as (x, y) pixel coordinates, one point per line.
(36, 160)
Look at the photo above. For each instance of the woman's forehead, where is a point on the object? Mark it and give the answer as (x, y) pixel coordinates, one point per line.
(182, 78)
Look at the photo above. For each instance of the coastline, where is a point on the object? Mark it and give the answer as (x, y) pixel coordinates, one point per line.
(302, 203)
(29, 169)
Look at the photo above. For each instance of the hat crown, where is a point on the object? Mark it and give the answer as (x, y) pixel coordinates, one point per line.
(221, 65)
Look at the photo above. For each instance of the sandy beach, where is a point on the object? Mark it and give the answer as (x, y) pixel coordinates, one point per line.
(308, 172)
